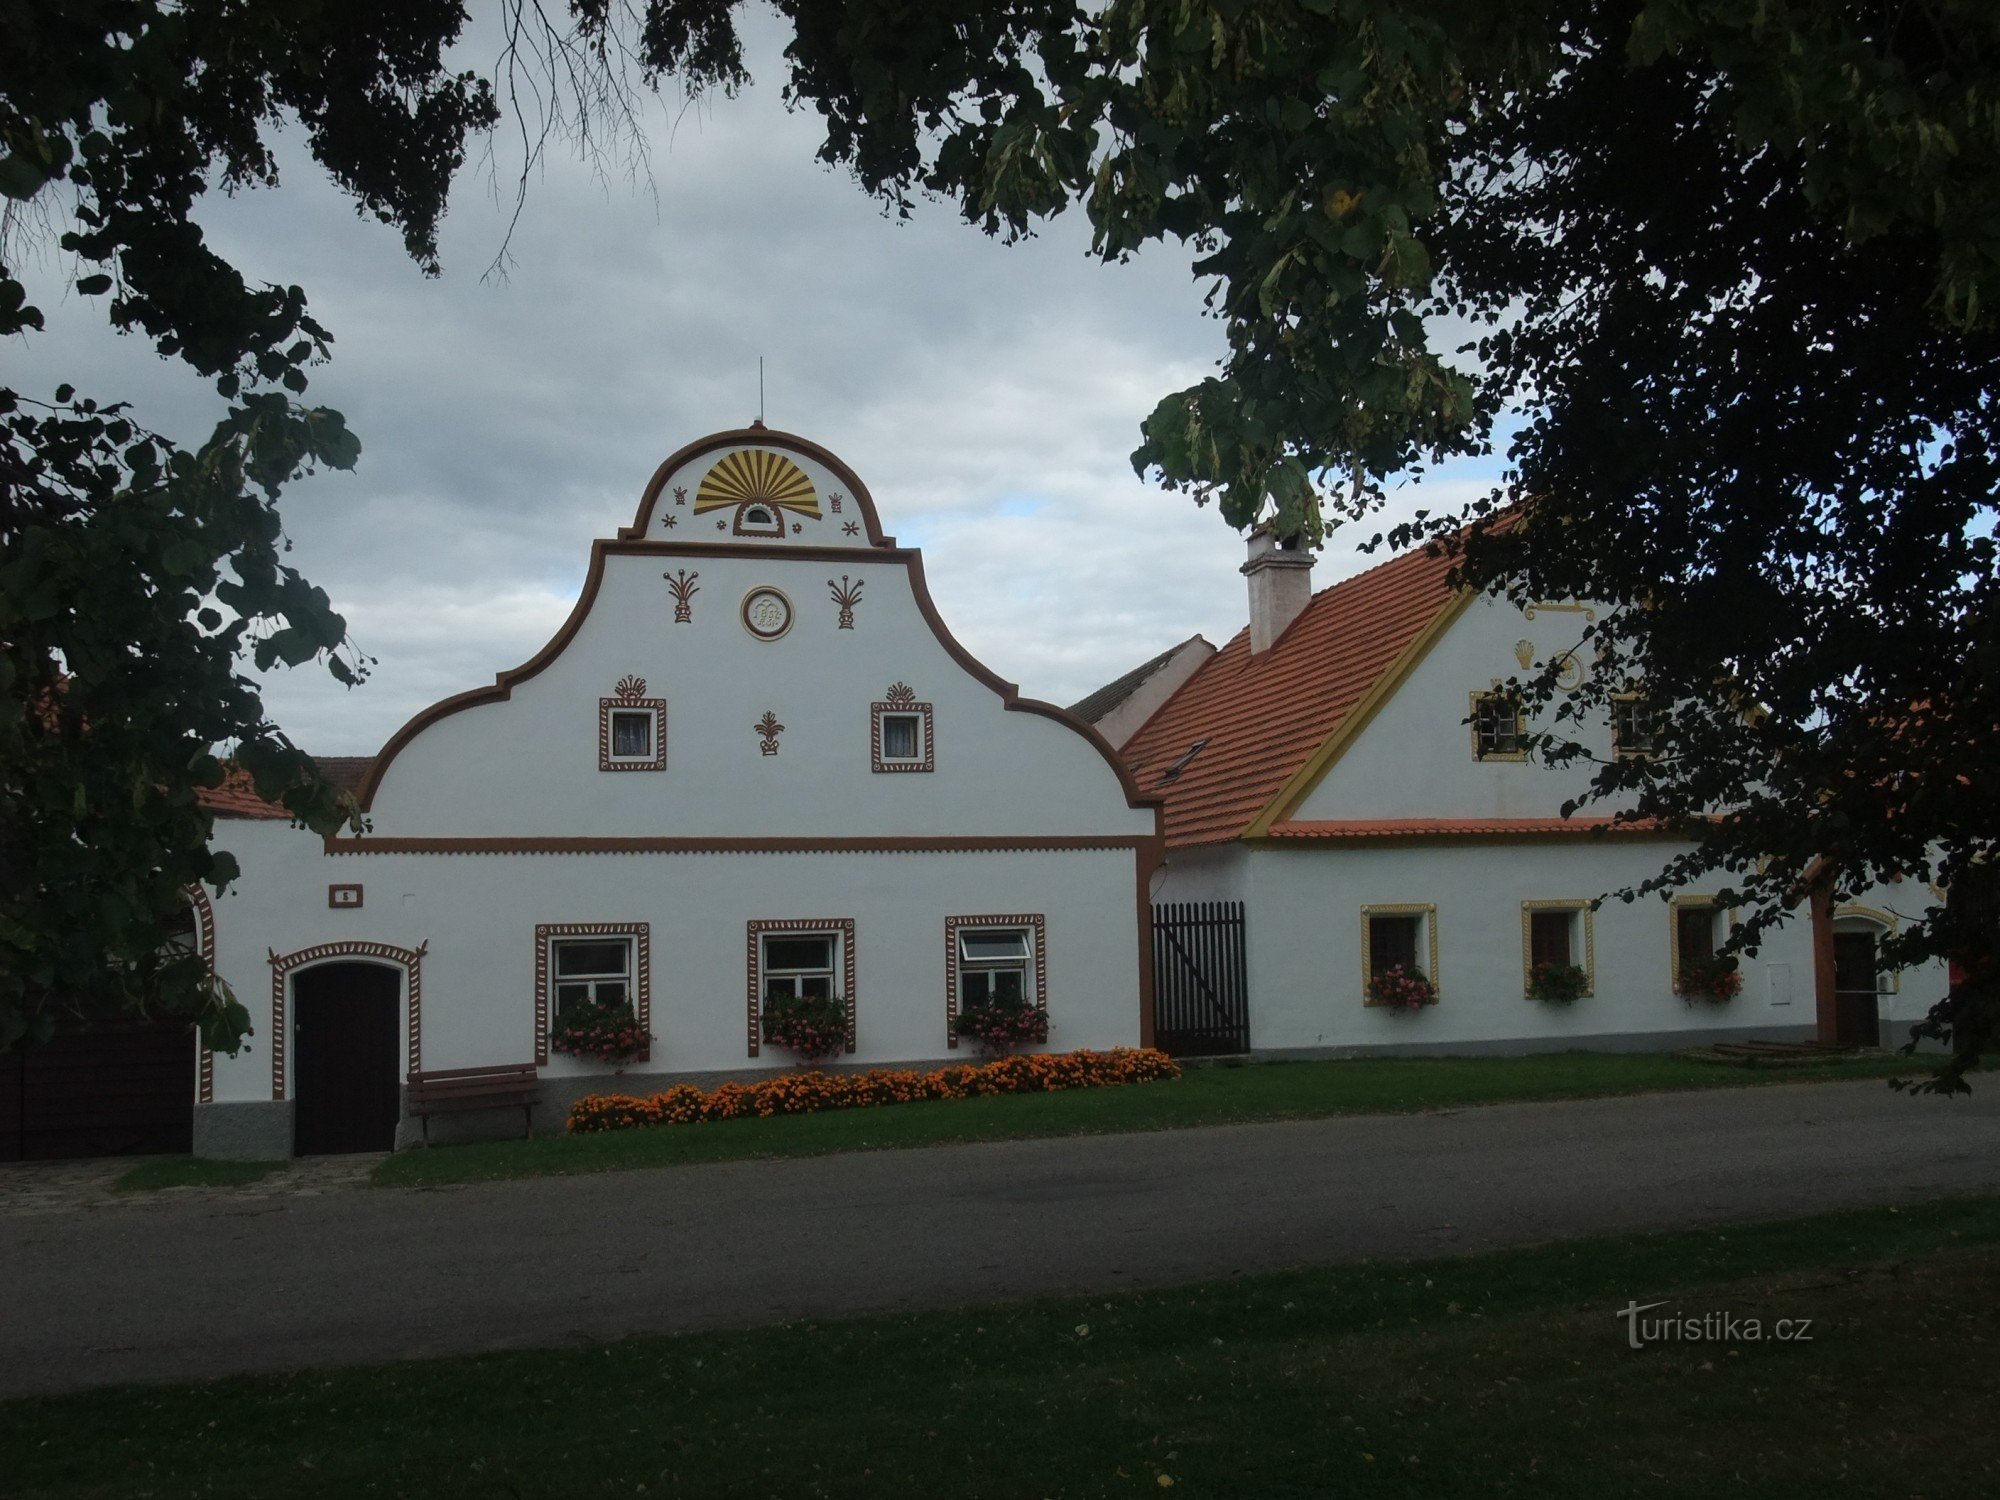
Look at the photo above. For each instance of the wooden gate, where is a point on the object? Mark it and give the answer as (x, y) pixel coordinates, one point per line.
(112, 1086)
(1201, 991)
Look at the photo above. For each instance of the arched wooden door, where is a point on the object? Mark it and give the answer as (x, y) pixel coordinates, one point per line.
(345, 1076)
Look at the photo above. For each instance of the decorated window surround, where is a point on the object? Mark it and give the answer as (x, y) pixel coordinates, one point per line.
(841, 929)
(641, 935)
(282, 967)
(1583, 938)
(204, 926)
(1426, 913)
(1497, 696)
(630, 697)
(901, 701)
(1033, 923)
(1622, 748)
(1675, 906)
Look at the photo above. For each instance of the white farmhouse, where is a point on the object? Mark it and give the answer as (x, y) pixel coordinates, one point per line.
(1345, 791)
(752, 757)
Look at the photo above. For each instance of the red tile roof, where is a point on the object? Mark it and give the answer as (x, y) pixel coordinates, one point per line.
(1264, 716)
(1500, 828)
(237, 796)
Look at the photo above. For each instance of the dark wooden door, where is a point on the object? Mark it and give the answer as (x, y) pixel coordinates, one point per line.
(344, 1072)
(1856, 1020)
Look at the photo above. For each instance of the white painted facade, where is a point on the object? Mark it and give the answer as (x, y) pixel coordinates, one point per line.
(1305, 900)
(492, 814)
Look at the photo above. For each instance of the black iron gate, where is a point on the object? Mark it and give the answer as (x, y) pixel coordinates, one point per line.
(1201, 994)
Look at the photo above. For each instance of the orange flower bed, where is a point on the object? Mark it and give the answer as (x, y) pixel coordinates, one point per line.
(808, 1093)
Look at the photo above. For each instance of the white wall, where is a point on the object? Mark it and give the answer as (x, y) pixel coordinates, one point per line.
(529, 765)
(1305, 945)
(478, 915)
(1414, 760)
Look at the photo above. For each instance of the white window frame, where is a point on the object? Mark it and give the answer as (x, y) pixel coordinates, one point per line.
(796, 978)
(1477, 700)
(626, 976)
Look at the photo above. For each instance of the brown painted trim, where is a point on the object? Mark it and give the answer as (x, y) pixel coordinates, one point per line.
(1011, 695)
(204, 927)
(412, 960)
(334, 903)
(758, 437)
(754, 930)
(1033, 920)
(606, 707)
(926, 728)
(641, 934)
(911, 844)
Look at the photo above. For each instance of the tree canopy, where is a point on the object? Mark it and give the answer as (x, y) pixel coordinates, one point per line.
(1727, 267)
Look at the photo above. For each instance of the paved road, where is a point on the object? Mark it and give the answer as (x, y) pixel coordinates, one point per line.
(166, 1289)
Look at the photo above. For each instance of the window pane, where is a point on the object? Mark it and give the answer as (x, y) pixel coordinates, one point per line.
(611, 992)
(798, 953)
(816, 986)
(1549, 937)
(899, 737)
(632, 733)
(1392, 941)
(594, 958)
(1497, 721)
(992, 943)
(568, 995)
(975, 985)
(1009, 984)
(1697, 931)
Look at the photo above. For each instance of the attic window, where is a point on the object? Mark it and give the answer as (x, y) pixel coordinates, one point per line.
(1172, 772)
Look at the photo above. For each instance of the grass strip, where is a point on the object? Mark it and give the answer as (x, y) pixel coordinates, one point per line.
(1497, 1374)
(1203, 1096)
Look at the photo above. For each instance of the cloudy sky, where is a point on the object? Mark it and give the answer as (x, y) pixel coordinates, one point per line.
(989, 396)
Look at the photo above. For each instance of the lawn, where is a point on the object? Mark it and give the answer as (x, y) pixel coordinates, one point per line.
(1203, 1096)
(1499, 1374)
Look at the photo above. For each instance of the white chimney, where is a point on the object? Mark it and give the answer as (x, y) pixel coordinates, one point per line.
(1280, 574)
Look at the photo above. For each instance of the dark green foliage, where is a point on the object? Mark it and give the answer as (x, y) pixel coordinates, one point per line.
(137, 577)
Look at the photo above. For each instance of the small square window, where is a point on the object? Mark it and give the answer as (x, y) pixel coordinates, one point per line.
(901, 737)
(1496, 727)
(592, 972)
(1635, 727)
(632, 734)
(900, 733)
(799, 964)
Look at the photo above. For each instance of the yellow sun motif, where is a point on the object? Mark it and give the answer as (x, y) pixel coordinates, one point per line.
(756, 475)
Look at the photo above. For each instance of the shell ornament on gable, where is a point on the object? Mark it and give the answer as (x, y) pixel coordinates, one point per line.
(757, 476)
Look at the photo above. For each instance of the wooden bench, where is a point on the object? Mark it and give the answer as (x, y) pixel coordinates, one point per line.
(446, 1091)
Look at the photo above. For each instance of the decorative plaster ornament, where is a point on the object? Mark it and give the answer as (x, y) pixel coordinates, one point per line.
(1524, 653)
(683, 587)
(767, 613)
(846, 595)
(769, 729)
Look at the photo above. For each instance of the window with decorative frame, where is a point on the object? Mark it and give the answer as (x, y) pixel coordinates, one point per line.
(1558, 934)
(900, 732)
(994, 958)
(584, 964)
(1699, 927)
(1497, 732)
(631, 729)
(810, 958)
(1399, 936)
(1635, 727)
